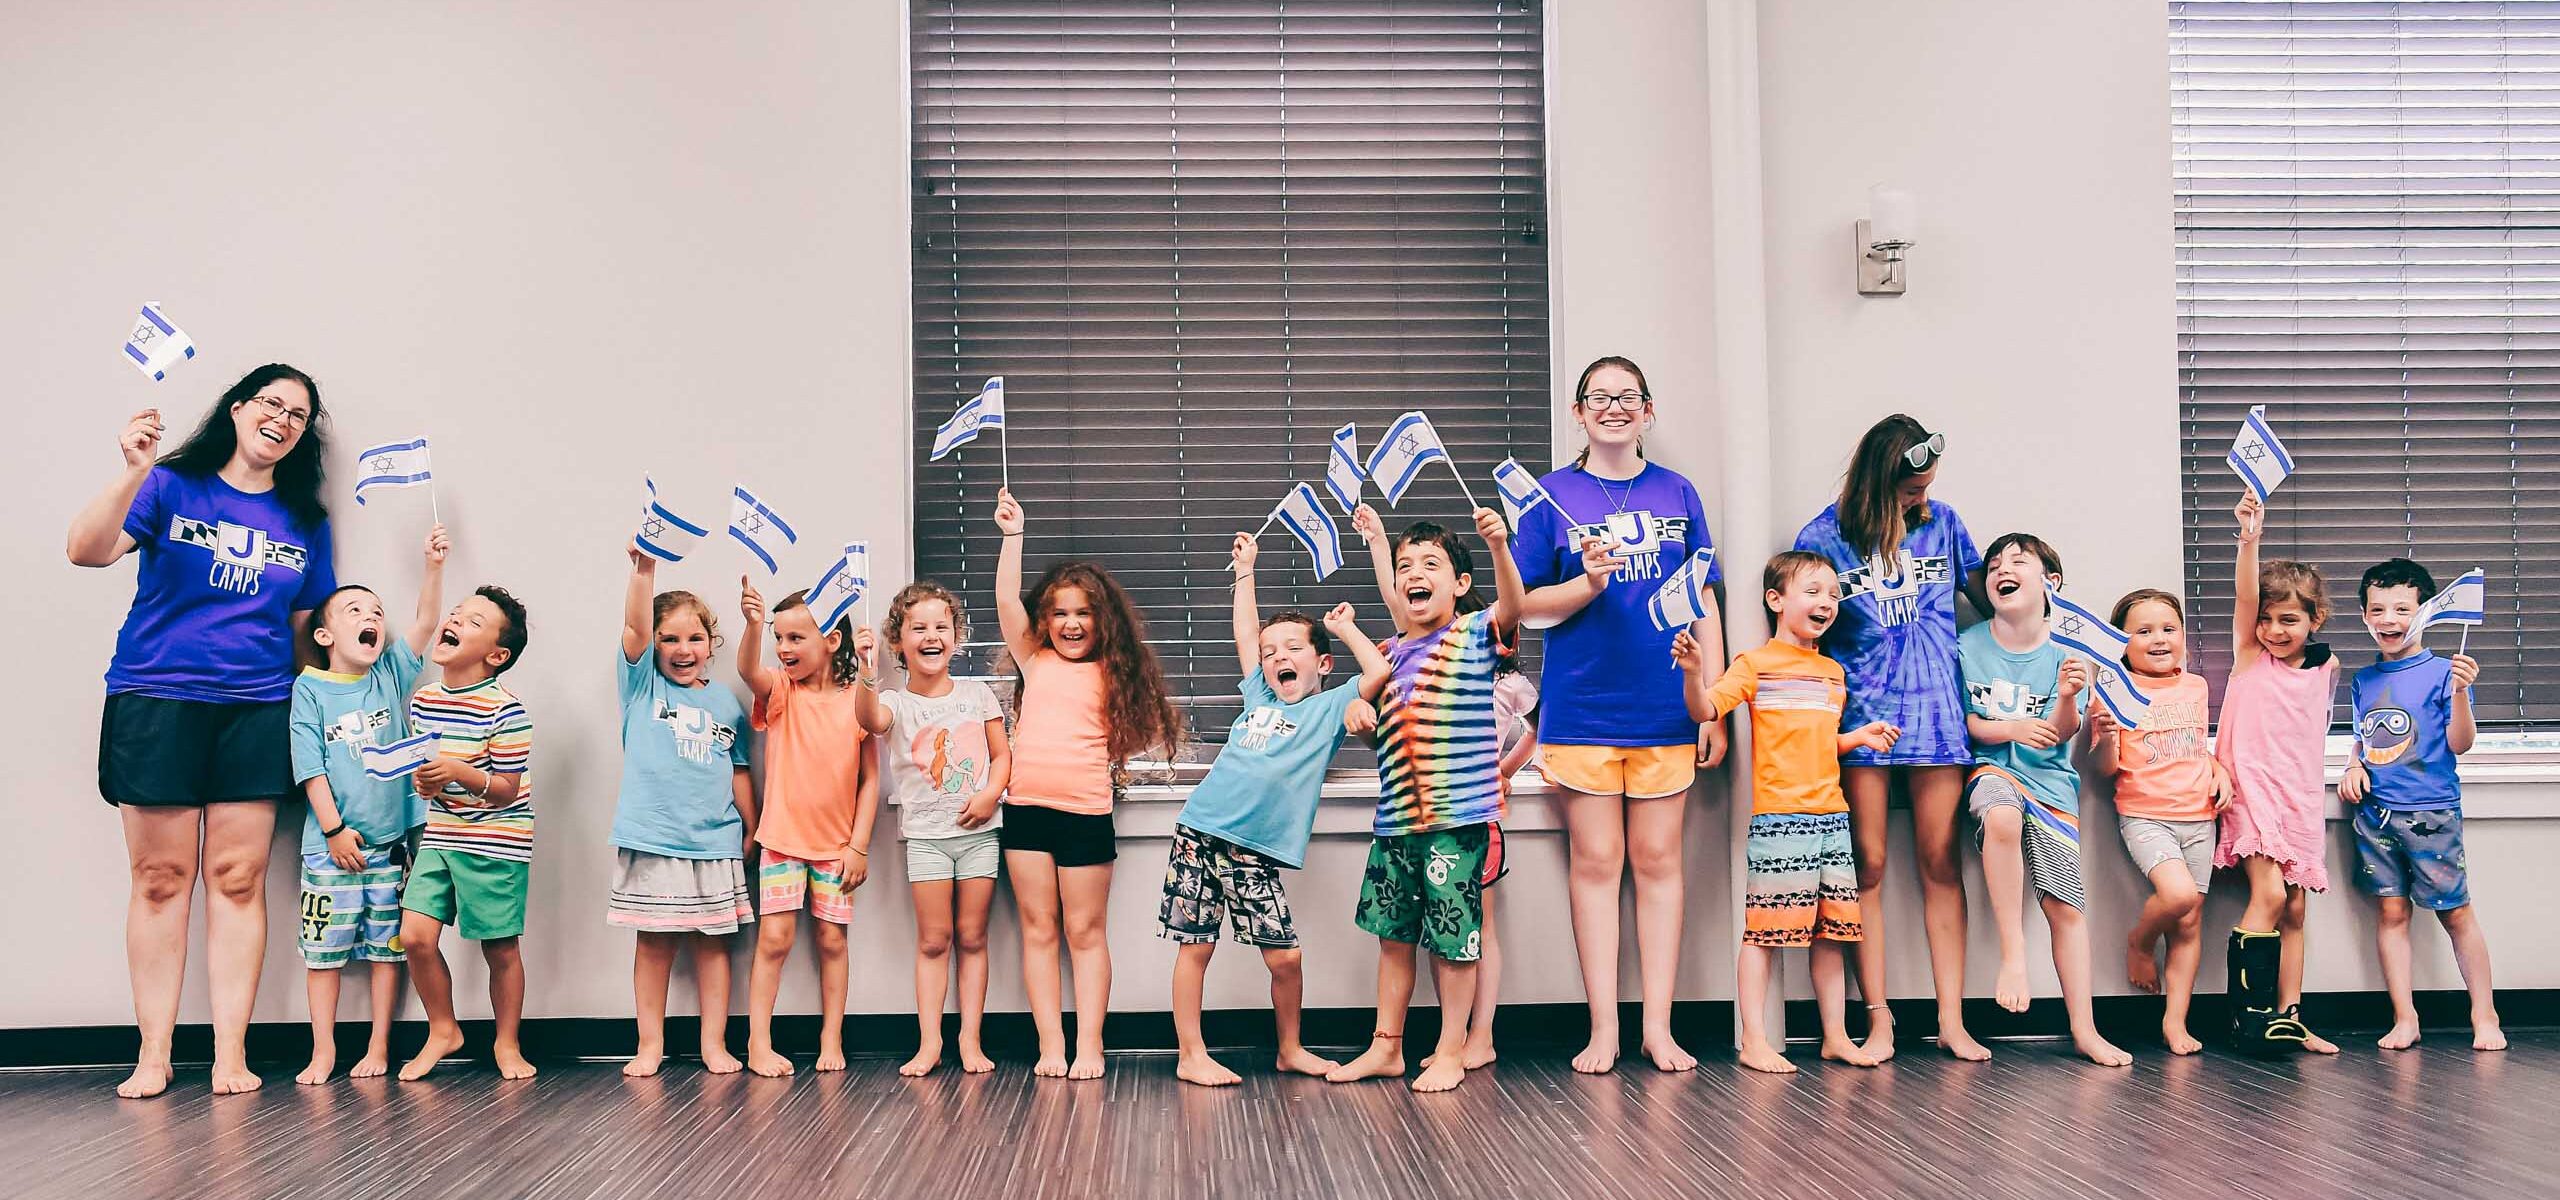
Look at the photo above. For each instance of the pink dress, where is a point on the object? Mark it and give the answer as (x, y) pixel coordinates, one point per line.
(2274, 741)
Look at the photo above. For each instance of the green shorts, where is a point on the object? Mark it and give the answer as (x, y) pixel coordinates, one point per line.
(1428, 889)
(482, 898)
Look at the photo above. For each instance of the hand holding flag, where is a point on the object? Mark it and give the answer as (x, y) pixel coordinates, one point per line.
(2090, 634)
(155, 345)
(664, 535)
(1684, 597)
(758, 528)
(2258, 457)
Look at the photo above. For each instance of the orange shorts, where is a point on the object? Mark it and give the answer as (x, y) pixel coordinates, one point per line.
(1635, 772)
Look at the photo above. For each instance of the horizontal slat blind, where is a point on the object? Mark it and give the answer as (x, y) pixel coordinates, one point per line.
(2368, 199)
(1196, 237)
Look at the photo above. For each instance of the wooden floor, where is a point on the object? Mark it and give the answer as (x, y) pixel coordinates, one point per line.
(2438, 1123)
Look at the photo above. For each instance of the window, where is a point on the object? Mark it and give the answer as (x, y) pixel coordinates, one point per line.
(2368, 216)
(1195, 238)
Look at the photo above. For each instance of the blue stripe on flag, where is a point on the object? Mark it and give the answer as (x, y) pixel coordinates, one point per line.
(392, 448)
(153, 315)
(138, 356)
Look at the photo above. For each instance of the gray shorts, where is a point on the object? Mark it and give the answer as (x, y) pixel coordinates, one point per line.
(2152, 843)
(969, 856)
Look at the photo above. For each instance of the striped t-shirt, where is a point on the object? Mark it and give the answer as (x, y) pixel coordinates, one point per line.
(485, 726)
(1795, 696)
(1437, 744)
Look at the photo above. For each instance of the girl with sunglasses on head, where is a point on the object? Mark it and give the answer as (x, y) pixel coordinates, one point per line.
(1901, 558)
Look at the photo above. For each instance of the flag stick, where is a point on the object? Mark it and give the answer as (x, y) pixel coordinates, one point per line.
(2465, 647)
(432, 514)
(1258, 531)
(1461, 477)
(1004, 455)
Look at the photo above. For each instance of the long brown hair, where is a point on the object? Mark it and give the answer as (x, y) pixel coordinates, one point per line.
(1871, 517)
(1137, 714)
(1627, 365)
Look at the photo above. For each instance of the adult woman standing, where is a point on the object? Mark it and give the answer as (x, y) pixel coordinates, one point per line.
(192, 746)
(1901, 558)
(1616, 732)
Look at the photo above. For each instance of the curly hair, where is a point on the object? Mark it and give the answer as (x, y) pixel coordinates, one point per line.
(512, 638)
(1136, 709)
(841, 666)
(667, 602)
(907, 599)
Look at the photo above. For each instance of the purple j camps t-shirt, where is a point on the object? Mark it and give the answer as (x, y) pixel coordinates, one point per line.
(222, 573)
(1609, 679)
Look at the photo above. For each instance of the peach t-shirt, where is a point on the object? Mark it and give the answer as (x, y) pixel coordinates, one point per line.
(1061, 753)
(812, 770)
(2162, 770)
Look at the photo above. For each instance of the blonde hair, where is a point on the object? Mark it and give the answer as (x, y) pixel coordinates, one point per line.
(917, 593)
(667, 602)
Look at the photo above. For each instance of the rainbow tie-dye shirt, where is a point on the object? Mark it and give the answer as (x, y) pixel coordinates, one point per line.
(1437, 743)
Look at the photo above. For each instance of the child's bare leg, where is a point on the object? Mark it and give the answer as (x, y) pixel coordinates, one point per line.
(1869, 789)
(2391, 945)
(1654, 857)
(764, 987)
(711, 993)
(2070, 936)
(2178, 976)
(1288, 993)
(933, 972)
(505, 957)
(832, 984)
(2266, 894)
(2296, 945)
(653, 961)
(1596, 853)
(1190, 976)
(2173, 899)
(977, 896)
(419, 938)
(1035, 902)
(320, 989)
(2471, 954)
(1479, 1048)
(2004, 875)
(1831, 999)
(1385, 1055)
(1751, 997)
(1084, 898)
(386, 1007)
(1456, 982)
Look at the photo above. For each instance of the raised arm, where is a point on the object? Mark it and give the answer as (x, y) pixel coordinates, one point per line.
(97, 537)
(636, 596)
(1374, 668)
(1507, 588)
(1011, 617)
(2244, 582)
(1248, 610)
(751, 619)
(1382, 557)
(422, 626)
(868, 707)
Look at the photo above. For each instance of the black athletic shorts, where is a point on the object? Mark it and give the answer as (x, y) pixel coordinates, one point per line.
(1074, 839)
(160, 753)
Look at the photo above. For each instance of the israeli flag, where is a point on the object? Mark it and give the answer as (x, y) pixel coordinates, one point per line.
(1520, 490)
(842, 586)
(2103, 644)
(664, 535)
(397, 465)
(2258, 457)
(155, 345)
(399, 758)
(1410, 444)
(2464, 601)
(1306, 520)
(1682, 600)
(1342, 469)
(978, 413)
(758, 528)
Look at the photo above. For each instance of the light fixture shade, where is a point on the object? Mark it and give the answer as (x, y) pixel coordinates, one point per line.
(1893, 214)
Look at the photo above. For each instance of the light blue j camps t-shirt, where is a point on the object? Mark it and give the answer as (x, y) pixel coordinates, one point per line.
(1261, 794)
(680, 748)
(333, 716)
(2003, 685)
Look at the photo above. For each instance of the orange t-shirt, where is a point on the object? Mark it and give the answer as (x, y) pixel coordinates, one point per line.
(1795, 696)
(812, 770)
(1061, 753)
(2163, 771)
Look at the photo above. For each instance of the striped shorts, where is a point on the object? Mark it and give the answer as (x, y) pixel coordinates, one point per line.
(2049, 836)
(657, 894)
(348, 915)
(1803, 880)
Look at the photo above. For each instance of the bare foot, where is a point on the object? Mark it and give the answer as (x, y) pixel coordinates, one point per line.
(763, 1061)
(512, 1063)
(2099, 1050)
(374, 1065)
(928, 1056)
(231, 1079)
(2009, 988)
(2141, 970)
(1302, 1061)
(1756, 1054)
(1667, 1054)
(1839, 1050)
(1879, 1043)
(1204, 1070)
(1601, 1056)
(1442, 1074)
(1960, 1045)
(644, 1064)
(322, 1064)
(2313, 1043)
(1051, 1066)
(2180, 1041)
(2402, 1036)
(830, 1058)
(717, 1060)
(2485, 1035)
(973, 1059)
(1478, 1054)
(1384, 1057)
(1088, 1065)
(148, 1080)
(438, 1045)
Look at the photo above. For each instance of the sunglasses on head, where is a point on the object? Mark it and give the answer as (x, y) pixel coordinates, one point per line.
(1925, 451)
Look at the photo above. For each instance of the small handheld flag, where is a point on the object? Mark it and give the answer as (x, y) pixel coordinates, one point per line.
(664, 535)
(845, 581)
(2464, 602)
(978, 413)
(1342, 467)
(2258, 457)
(1520, 491)
(1683, 597)
(1306, 520)
(758, 528)
(1409, 445)
(399, 758)
(394, 465)
(155, 345)
(2090, 634)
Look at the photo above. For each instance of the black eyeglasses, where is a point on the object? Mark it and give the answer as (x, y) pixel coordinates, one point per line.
(1926, 451)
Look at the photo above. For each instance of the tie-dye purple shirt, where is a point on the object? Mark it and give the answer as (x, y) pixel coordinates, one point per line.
(1896, 636)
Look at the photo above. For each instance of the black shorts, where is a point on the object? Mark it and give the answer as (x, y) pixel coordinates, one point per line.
(159, 753)
(1074, 839)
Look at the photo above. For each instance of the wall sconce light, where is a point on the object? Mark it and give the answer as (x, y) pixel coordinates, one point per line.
(1891, 227)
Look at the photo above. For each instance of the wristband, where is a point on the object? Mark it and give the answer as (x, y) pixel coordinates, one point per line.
(859, 850)
(329, 834)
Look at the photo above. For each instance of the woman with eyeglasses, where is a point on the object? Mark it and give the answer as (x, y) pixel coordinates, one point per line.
(234, 553)
(1615, 731)
(1902, 557)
